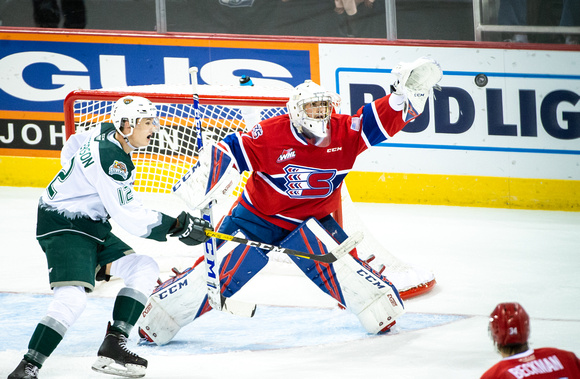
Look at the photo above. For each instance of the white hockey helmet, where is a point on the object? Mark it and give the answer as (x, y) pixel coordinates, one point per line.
(310, 107)
(132, 108)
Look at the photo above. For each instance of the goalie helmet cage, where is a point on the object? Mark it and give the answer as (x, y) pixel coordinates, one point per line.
(224, 109)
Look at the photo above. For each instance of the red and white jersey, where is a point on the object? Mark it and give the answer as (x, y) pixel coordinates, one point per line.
(545, 363)
(291, 179)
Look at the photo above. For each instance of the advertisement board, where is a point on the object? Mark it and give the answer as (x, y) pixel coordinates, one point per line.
(504, 130)
(38, 70)
(522, 120)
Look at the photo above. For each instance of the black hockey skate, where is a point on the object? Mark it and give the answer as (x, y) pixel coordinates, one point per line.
(24, 370)
(114, 358)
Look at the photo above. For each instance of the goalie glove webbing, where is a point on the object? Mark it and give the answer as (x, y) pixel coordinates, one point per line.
(416, 81)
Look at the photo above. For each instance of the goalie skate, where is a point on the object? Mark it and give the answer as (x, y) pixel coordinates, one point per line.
(115, 359)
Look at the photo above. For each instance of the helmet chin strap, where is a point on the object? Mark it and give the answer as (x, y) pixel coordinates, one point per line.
(126, 138)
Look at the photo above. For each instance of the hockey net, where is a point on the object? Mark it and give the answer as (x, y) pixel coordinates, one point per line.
(172, 152)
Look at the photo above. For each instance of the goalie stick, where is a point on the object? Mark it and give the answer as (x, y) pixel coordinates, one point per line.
(215, 298)
(332, 256)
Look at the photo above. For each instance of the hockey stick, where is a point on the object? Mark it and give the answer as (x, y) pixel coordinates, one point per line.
(212, 280)
(215, 298)
(333, 255)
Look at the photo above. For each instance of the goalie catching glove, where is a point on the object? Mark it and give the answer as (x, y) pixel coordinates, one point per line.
(416, 81)
(212, 179)
(190, 230)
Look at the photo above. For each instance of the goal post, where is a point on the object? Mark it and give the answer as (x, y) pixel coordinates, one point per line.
(172, 152)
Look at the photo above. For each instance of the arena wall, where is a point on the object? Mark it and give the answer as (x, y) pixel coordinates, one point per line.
(504, 131)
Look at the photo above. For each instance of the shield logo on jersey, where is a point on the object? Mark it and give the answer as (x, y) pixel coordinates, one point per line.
(119, 168)
(306, 182)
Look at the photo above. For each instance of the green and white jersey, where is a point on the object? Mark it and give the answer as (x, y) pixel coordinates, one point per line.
(95, 184)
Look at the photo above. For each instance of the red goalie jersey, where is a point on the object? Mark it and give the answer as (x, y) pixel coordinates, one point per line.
(291, 179)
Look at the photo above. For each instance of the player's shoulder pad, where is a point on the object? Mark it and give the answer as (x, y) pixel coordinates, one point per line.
(115, 162)
(272, 128)
(346, 125)
(273, 124)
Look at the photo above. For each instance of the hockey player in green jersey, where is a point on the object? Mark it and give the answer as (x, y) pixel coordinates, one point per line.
(95, 184)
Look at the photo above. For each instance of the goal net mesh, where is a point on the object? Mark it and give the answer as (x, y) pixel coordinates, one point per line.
(172, 152)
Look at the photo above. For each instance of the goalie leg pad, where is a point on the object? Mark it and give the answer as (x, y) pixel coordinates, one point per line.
(336, 231)
(368, 294)
(174, 304)
(155, 324)
(239, 266)
(322, 274)
(183, 298)
(244, 262)
(352, 282)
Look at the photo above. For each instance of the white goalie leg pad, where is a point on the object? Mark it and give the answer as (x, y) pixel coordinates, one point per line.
(156, 324)
(177, 302)
(368, 295)
(173, 305)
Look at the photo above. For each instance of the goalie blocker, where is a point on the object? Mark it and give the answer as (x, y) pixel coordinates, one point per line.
(350, 281)
(212, 179)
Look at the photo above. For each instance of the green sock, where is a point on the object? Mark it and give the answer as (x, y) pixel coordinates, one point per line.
(44, 340)
(128, 306)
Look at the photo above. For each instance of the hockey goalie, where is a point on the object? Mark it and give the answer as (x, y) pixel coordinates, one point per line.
(297, 163)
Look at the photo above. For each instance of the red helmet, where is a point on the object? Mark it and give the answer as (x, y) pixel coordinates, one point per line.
(509, 324)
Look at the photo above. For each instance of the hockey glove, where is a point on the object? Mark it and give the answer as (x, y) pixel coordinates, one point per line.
(416, 81)
(214, 178)
(190, 230)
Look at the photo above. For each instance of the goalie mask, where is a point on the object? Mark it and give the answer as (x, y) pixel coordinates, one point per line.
(310, 107)
(132, 108)
(509, 324)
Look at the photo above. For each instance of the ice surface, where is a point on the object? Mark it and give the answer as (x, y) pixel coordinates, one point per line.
(479, 256)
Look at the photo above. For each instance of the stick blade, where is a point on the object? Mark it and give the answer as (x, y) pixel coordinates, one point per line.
(238, 308)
